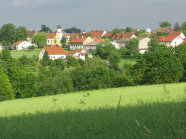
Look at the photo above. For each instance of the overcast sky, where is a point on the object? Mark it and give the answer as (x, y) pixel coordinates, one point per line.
(91, 14)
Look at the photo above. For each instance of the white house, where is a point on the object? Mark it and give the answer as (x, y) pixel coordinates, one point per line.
(170, 40)
(80, 54)
(21, 45)
(178, 34)
(54, 52)
(143, 44)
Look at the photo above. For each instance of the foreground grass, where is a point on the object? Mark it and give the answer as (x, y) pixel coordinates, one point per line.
(155, 111)
(29, 53)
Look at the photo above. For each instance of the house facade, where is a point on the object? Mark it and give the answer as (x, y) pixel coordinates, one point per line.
(54, 52)
(80, 42)
(170, 40)
(21, 45)
(143, 44)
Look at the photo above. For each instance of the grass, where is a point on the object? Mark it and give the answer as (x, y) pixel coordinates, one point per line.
(29, 53)
(156, 111)
(127, 60)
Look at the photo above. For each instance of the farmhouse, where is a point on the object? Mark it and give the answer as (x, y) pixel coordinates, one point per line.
(21, 45)
(54, 52)
(80, 54)
(170, 40)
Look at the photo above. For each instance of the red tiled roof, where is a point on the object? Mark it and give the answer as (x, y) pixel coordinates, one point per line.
(16, 43)
(79, 40)
(175, 33)
(51, 35)
(166, 38)
(108, 34)
(76, 51)
(31, 32)
(99, 40)
(97, 33)
(168, 29)
(54, 50)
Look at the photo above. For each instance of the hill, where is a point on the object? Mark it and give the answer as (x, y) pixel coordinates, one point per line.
(156, 111)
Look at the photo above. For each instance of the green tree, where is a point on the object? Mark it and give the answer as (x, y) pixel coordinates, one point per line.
(63, 41)
(6, 91)
(162, 33)
(123, 51)
(129, 29)
(160, 66)
(21, 33)
(59, 63)
(183, 27)
(45, 29)
(7, 34)
(46, 60)
(114, 59)
(132, 46)
(176, 27)
(153, 44)
(40, 39)
(116, 30)
(165, 24)
(104, 49)
(71, 61)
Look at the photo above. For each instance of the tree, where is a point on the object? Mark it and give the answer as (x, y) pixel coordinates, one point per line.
(162, 33)
(46, 59)
(21, 33)
(72, 30)
(123, 51)
(129, 29)
(71, 61)
(183, 27)
(6, 91)
(63, 41)
(45, 29)
(59, 63)
(132, 46)
(7, 34)
(160, 66)
(153, 44)
(114, 58)
(176, 27)
(116, 30)
(40, 39)
(165, 24)
(104, 49)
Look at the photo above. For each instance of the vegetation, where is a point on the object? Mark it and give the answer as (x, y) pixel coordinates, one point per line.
(72, 30)
(165, 24)
(45, 29)
(40, 39)
(116, 30)
(156, 111)
(129, 29)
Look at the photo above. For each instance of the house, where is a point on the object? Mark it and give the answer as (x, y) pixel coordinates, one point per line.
(21, 45)
(92, 45)
(30, 34)
(120, 43)
(54, 52)
(98, 33)
(119, 36)
(143, 44)
(80, 42)
(178, 34)
(55, 38)
(166, 29)
(80, 54)
(170, 40)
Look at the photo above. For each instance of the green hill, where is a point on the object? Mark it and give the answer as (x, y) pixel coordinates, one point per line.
(156, 111)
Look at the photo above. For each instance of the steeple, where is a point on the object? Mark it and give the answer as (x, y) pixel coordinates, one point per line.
(59, 30)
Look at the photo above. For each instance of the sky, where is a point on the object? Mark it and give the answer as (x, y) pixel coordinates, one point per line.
(91, 14)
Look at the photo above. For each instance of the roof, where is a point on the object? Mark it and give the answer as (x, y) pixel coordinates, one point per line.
(97, 33)
(119, 36)
(51, 35)
(31, 32)
(166, 38)
(78, 40)
(99, 40)
(108, 34)
(175, 33)
(54, 50)
(16, 43)
(76, 51)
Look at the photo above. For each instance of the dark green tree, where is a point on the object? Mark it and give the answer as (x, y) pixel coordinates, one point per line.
(165, 24)
(183, 27)
(63, 41)
(40, 39)
(129, 29)
(132, 46)
(72, 30)
(21, 33)
(116, 30)
(59, 63)
(71, 61)
(46, 60)
(45, 29)
(7, 34)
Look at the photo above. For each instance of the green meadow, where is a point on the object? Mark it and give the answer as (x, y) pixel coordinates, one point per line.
(154, 111)
(29, 53)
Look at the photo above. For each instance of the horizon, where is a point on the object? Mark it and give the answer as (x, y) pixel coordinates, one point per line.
(91, 15)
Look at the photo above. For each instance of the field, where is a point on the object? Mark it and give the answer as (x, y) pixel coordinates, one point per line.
(127, 60)
(156, 111)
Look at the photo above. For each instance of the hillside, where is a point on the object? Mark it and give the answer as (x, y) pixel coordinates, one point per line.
(155, 111)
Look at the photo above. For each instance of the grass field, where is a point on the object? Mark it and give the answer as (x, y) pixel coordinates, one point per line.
(29, 53)
(127, 60)
(156, 111)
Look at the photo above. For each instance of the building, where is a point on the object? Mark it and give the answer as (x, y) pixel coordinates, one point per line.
(80, 42)
(143, 44)
(119, 36)
(21, 45)
(170, 40)
(80, 54)
(30, 34)
(54, 52)
(178, 34)
(98, 33)
(55, 38)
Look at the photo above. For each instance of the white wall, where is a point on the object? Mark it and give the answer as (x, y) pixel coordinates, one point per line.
(23, 45)
(53, 57)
